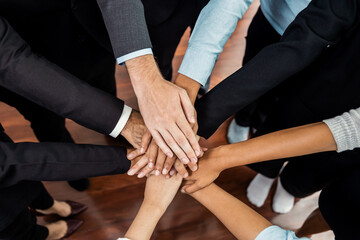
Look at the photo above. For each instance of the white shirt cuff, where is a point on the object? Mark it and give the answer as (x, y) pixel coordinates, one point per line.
(122, 121)
(127, 57)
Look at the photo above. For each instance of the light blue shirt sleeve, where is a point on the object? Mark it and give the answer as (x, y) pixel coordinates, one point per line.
(277, 233)
(121, 60)
(216, 22)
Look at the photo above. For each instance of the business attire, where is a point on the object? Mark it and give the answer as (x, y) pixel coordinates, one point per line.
(167, 21)
(72, 34)
(32, 76)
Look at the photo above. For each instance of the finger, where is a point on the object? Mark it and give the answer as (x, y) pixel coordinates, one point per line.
(192, 145)
(169, 162)
(172, 171)
(174, 145)
(188, 107)
(145, 171)
(145, 141)
(189, 189)
(152, 154)
(160, 162)
(138, 166)
(183, 144)
(180, 168)
(162, 144)
(193, 166)
(134, 154)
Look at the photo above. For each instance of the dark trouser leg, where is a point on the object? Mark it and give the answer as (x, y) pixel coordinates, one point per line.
(166, 36)
(260, 35)
(289, 112)
(24, 228)
(43, 201)
(306, 175)
(339, 205)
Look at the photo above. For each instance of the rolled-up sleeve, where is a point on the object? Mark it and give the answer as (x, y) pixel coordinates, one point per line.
(216, 22)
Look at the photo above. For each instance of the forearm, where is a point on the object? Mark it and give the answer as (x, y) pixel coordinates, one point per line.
(243, 222)
(191, 86)
(145, 222)
(308, 139)
(143, 72)
(58, 162)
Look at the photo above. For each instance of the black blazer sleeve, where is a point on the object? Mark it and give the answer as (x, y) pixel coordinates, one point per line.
(58, 162)
(42, 82)
(320, 25)
(126, 25)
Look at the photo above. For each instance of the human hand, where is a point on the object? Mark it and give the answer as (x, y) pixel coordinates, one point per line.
(166, 109)
(209, 170)
(160, 191)
(136, 132)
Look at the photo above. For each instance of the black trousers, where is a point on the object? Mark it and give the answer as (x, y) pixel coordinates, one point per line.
(260, 34)
(166, 36)
(339, 205)
(16, 221)
(24, 227)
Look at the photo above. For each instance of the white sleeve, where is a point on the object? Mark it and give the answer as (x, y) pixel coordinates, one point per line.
(346, 130)
(216, 22)
(122, 121)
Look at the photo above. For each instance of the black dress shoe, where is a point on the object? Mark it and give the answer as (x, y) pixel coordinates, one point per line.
(80, 185)
(73, 225)
(76, 208)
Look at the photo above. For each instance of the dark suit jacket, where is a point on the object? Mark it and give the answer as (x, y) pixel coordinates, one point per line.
(72, 33)
(323, 24)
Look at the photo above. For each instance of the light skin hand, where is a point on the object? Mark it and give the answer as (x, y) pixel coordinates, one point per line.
(159, 193)
(166, 108)
(135, 132)
(209, 170)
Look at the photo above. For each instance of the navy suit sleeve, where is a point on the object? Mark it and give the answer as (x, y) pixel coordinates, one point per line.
(58, 162)
(44, 83)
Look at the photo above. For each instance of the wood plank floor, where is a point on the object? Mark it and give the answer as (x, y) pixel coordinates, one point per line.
(114, 200)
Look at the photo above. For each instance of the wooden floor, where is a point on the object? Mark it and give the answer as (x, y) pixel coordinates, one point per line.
(114, 200)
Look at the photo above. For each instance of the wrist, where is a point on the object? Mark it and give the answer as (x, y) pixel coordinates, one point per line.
(155, 206)
(143, 71)
(191, 86)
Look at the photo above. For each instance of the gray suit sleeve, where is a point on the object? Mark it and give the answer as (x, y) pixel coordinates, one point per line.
(42, 82)
(126, 25)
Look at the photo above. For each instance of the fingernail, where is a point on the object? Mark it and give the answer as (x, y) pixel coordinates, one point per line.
(184, 161)
(169, 154)
(205, 149)
(131, 172)
(151, 164)
(186, 175)
(164, 171)
(194, 160)
(195, 168)
(192, 119)
(172, 173)
(130, 155)
(197, 152)
(183, 191)
(140, 175)
(157, 173)
(142, 150)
